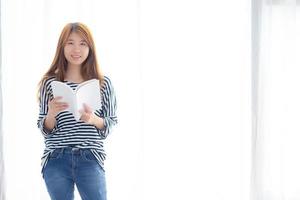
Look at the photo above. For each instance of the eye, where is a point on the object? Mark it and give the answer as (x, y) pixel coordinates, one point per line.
(69, 42)
(83, 44)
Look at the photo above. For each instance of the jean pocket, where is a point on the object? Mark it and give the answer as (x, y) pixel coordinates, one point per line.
(88, 155)
(55, 154)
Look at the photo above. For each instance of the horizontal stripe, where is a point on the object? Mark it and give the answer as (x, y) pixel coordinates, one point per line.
(69, 132)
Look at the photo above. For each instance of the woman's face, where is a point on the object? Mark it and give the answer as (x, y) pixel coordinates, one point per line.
(76, 50)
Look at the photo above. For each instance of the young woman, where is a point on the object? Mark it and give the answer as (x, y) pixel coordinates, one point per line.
(74, 151)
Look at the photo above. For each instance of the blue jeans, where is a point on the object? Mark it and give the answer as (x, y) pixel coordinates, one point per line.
(69, 166)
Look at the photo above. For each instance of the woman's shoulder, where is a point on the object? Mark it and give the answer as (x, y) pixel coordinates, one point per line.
(106, 80)
(47, 82)
(50, 79)
(107, 84)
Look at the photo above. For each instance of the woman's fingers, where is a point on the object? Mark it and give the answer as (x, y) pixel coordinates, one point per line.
(63, 106)
(56, 99)
(87, 108)
(56, 106)
(58, 103)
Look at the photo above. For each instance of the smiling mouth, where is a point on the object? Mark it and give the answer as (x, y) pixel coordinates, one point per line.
(75, 56)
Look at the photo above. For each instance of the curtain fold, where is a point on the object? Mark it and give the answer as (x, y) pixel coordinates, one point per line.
(183, 90)
(30, 34)
(2, 177)
(276, 86)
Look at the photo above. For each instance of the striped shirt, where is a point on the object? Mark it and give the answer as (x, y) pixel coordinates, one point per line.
(78, 134)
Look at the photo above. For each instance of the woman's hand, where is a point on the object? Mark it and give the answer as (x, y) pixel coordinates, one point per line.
(87, 115)
(55, 106)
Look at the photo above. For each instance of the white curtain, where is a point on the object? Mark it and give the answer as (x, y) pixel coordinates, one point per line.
(2, 177)
(276, 132)
(30, 30)
(182, 74)
(196, 72)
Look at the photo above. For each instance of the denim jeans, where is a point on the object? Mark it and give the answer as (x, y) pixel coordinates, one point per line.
(69, 166)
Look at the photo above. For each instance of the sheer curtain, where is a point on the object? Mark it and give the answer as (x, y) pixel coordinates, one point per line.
(2, 177)
(197, 99)
(276, 140)
(30, 30)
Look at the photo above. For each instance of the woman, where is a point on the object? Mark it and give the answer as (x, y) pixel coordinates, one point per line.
(74, 151)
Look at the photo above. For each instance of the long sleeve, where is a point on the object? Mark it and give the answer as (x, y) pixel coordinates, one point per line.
(45, 97)
(108, 110)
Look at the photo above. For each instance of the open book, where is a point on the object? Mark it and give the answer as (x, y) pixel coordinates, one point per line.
(87, 92)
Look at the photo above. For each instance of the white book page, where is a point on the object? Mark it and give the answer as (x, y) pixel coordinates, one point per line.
(89, 93)
(62, 89)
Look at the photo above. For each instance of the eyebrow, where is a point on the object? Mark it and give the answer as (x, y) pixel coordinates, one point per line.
(73, 40)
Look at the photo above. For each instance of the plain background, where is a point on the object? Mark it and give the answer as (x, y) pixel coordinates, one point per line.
(182, 73)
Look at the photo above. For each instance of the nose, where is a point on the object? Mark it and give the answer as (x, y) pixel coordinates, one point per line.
(76, 48)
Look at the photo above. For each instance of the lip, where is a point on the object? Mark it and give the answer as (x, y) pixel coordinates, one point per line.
(75, 56)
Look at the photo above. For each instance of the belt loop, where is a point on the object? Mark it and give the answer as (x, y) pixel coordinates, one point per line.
(76, 150)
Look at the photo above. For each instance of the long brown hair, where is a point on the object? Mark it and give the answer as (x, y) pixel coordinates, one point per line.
(90, 67)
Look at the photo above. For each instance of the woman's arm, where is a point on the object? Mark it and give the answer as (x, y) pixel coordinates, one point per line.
(48, 110)
(98, 122)
(105, 118)
(89, 117)
(108, 114)
(43, 107)
(49, 122)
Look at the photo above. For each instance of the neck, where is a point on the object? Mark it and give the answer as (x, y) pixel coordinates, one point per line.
(73, 74)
